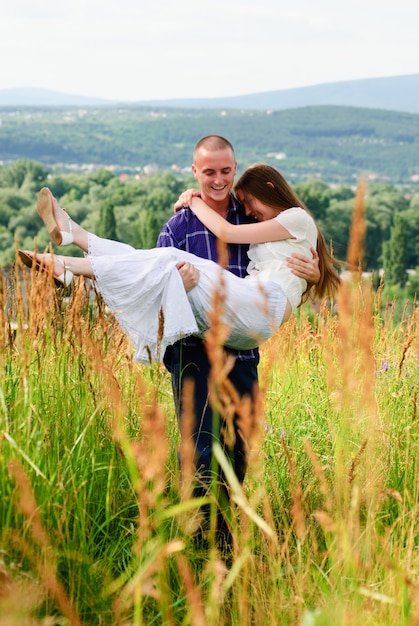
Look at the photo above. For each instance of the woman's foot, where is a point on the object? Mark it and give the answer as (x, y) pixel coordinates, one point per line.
(41, 262)
(55, 218)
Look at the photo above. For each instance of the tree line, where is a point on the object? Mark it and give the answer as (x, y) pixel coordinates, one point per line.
(134, 209)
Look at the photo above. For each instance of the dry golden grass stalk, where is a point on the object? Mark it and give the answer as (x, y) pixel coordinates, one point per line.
(355, 355)
(325, 487)
(298, 514)
(356, 461)
(145, 450)
(4, 322)
(187, 445)
(38, 296)
(358, 230)
(359, 470)
(43, 562)
(150, 455)
(147, 454)
(243, 415)
(193, 594)
(144, 583)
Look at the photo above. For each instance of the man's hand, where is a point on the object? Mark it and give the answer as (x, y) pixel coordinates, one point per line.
(185, 199)
(189, 275)
(304, 267)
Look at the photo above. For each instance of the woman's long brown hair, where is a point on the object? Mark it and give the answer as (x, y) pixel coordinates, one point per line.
(279, 195)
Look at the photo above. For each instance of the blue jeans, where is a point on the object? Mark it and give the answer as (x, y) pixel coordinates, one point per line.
(191, 362)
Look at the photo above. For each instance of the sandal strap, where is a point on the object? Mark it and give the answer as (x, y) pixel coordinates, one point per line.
(66, 276)
(67, 236)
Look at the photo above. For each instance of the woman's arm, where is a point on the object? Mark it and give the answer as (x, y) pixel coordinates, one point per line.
(261, 232)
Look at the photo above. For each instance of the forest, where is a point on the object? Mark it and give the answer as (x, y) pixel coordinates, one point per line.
(336, 144)
(134, 208)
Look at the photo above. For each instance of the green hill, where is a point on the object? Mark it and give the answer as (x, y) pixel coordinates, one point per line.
(334, 143)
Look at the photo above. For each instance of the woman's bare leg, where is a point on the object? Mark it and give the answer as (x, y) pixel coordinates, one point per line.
(79, 266)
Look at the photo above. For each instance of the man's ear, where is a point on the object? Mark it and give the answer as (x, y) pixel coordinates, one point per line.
(271, 185)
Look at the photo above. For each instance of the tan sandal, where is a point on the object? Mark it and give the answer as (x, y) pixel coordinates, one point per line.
(45, 208)
(29, 260)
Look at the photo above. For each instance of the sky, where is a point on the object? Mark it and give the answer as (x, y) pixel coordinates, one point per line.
(131, 50)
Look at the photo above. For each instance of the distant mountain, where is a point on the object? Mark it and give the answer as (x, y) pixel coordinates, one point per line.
(33, 96)
(395, 93)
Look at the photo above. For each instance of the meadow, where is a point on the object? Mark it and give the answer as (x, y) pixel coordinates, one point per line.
(96, 526)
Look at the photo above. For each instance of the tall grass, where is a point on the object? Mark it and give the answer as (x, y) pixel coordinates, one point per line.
(96, 525)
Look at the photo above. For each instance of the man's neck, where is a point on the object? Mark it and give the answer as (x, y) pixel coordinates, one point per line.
(221, 208)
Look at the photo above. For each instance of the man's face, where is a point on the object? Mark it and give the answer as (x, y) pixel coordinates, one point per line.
(214, 171)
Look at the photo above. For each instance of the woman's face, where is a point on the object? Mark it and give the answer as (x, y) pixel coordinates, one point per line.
(255, 208)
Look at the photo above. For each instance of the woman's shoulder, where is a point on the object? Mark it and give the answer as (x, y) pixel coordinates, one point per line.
(298, 222)
(293, 213)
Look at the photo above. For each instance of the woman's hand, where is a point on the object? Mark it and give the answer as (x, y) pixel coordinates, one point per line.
(189, 275)
(185, 199)
(304, 267)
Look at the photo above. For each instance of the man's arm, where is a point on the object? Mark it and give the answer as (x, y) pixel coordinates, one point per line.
(167, 238)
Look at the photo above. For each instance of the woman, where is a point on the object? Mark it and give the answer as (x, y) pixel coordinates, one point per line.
(138, 284)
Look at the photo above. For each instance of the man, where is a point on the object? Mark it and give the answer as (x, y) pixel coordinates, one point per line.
(214, 168)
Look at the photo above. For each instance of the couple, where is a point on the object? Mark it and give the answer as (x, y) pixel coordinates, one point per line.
(138, 284)
(214, 167)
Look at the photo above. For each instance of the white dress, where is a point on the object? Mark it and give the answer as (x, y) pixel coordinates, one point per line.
(138, 284)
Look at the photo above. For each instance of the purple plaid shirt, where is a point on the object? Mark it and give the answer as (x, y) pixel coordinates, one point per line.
(185, 232)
